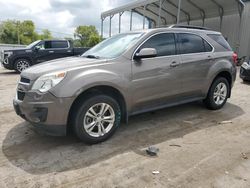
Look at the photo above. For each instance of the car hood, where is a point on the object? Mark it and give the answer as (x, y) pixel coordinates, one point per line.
(18, 50)
(63, 64)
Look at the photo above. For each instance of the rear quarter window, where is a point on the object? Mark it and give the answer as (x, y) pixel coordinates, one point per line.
(220, 40)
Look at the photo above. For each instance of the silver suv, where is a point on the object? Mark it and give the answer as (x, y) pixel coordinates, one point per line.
(124, 75)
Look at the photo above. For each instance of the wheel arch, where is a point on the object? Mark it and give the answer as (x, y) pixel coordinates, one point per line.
(100, 89)
(225, 74)
(24, 57)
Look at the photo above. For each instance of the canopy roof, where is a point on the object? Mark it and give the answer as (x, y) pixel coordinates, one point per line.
(163, 12)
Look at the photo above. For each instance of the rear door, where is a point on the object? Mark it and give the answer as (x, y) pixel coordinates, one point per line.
(156, 80)
(59, 49)
(196, 59)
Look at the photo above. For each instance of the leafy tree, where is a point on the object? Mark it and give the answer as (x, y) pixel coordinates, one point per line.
(87, 36)
(46, 34)
(23, 32)
(27, 32)
(9, 32)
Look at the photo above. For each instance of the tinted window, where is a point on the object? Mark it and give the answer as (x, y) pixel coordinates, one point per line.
(221, 40)
(59, 44)
(190, 43)
(47, 44)
(208, 48)
(163, 43)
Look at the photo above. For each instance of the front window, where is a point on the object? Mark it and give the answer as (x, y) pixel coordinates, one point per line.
(33, 44)
(114, 46)
(163, 43)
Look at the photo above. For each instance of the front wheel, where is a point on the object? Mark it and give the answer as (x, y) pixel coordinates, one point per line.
(21, 65)
(218, 94)
(96, 119)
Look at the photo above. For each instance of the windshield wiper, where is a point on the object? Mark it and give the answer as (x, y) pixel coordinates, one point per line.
(92, 56)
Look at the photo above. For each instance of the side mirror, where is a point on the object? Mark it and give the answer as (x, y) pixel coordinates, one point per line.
(146, 53)
(37, 48)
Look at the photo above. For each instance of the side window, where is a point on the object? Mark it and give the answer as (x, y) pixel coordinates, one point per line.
(163, 43)
(47, 44)
(208, 47)
(41, 45)
(59, 44)
(190, 43)
(220, 40)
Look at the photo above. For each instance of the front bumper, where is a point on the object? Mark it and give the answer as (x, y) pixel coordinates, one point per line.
(7, 63)
(47, 113)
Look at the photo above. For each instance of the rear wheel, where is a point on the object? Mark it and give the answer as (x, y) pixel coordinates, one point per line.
(96, 119)
(218, 94)
(21, 65)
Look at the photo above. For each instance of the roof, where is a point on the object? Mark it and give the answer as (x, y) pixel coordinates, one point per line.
(175, 28)
(190, 9)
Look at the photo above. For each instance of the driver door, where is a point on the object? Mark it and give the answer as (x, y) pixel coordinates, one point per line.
(41, 53)
(156, 80)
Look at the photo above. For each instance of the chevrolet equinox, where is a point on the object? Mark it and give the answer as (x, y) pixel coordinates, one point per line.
(124, 75)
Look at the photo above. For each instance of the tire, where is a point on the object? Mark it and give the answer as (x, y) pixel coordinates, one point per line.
(216, 99)
(21, 64)
(85, 119)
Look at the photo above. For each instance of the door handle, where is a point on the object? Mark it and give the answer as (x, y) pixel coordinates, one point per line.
(174, 64)
(51, 51)
(209, 57)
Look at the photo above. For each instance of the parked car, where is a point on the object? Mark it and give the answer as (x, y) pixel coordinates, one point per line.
(38, 52)
(245, 71)
(124, 75)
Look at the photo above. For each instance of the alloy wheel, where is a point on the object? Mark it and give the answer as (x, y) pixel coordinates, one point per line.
(99, 119)
(220, 93)
(22, 65)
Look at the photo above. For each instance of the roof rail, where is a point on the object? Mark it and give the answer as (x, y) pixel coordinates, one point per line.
(188, 27)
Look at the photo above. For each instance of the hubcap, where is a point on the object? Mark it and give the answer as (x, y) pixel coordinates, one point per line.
(22, 65)
(220, 93)
(99, 119)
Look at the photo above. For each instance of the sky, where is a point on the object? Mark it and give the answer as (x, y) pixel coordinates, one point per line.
(62, 16)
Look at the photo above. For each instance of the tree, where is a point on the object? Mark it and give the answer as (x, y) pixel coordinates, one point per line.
(21, 32)
(87, 36)
(46, 34)
(9, 32)
(26, 31)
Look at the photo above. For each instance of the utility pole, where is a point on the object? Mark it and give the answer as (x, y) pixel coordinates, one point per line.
(18, 33)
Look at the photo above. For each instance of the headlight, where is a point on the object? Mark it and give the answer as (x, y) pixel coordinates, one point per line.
(8, 53)
(48, 81)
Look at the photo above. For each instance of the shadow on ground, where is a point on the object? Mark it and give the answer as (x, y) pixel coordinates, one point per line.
(8, 73)
(40, 155)
(245, 82)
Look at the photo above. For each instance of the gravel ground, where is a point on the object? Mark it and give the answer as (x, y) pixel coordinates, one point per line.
(195, 149)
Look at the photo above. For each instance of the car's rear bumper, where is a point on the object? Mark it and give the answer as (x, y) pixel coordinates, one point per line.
(48, 115)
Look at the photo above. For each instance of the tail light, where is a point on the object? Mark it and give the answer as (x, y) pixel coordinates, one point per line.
(235, 58)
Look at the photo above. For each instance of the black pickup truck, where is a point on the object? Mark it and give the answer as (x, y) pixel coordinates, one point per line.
(38, 52)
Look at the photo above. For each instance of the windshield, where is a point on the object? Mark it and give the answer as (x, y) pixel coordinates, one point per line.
(33, 44)
(114, 46)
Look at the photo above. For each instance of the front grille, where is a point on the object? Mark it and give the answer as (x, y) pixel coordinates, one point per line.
(20, 95)
(25, 80)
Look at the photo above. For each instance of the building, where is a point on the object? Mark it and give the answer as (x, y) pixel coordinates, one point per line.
(231, 17)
